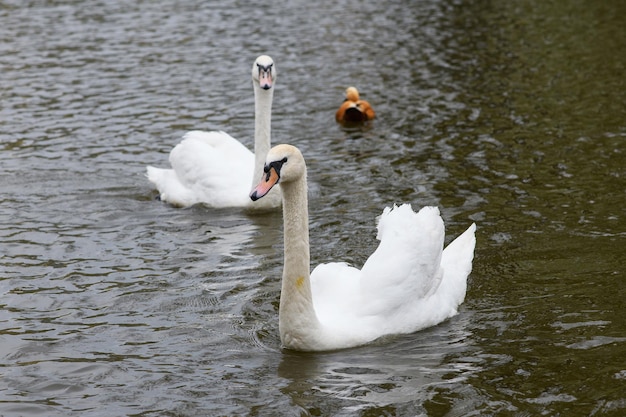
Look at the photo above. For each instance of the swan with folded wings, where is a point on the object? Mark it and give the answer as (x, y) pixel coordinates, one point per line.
(213, 167)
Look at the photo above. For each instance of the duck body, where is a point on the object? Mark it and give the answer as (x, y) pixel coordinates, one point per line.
(409, 283)
(216, 169)
(353, 109)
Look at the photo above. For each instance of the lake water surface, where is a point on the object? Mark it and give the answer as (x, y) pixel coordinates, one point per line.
(508, 114)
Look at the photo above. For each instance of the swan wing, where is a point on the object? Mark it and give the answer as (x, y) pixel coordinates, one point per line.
(406, 266)
(407, 284)
(214, 167)
(334, 288)
(206, 157)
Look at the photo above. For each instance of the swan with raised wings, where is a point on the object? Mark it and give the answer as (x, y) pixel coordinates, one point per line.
(213, 167)
(409, 283)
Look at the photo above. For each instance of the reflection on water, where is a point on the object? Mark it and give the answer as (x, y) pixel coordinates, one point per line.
(397, 381)
(510, 115)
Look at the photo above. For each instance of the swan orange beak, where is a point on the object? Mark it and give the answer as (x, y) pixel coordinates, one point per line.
(265, 79)
(269, 180)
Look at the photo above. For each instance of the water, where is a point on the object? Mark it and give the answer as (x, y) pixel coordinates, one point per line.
(509, 115)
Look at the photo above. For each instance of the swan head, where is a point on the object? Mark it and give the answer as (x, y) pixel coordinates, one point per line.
(264, 72)
(352, 94)
(284, 164)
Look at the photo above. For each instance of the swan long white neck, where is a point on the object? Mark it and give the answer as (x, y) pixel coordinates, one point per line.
(298, 322)
(262, 128)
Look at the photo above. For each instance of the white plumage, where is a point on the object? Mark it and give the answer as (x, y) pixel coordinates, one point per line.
(409, 283)
(213, 167)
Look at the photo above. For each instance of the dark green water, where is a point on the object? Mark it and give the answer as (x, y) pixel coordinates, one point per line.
(508, 114)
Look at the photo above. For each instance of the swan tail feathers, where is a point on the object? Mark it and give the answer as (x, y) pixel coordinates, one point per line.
(456, 261)
(156, 175)
(169, 187)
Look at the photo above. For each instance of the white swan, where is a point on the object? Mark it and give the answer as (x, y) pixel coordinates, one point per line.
(214, 168)
(407, 284)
